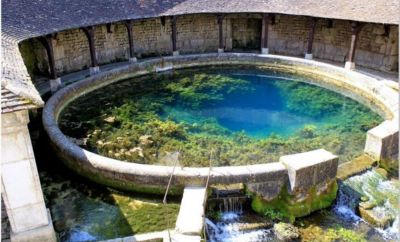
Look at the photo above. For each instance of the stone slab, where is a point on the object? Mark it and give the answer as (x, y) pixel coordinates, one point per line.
(190, 219)
(355, 166)
(310, 168)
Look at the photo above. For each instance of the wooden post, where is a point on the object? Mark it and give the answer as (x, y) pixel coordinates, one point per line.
(48, 45)
(220, 20)
(129, 26)
(175, 52)
(89, 32)
(355, 30)
(311, 38)
(264, 36)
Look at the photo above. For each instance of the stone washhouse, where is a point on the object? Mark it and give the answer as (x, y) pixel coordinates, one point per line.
(47, 46)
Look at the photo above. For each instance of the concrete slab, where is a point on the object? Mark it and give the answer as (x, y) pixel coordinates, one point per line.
(191, 214)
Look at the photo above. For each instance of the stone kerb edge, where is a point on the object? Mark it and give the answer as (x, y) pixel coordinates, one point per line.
(107, 168)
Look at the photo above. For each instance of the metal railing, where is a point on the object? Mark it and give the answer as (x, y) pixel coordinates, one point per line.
(176, 162)
(166, 194)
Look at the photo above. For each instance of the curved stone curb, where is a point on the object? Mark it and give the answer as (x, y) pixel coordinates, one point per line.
(153, 178)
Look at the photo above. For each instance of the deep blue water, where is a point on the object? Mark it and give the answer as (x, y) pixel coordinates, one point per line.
(258, 112)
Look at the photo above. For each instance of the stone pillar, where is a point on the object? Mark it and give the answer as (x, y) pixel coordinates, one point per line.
(89, 32)
(264, 34)
(129, 26)
(220, 20)
(355, 30)
(175, 52)
(309, 55)
(21, 191)
(55, 82)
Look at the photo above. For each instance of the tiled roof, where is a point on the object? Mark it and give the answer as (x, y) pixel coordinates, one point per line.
(16, 86)
(23, 19)
(11, 102)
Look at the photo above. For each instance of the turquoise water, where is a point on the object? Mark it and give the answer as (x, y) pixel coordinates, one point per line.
(241, 114)
(258, 111)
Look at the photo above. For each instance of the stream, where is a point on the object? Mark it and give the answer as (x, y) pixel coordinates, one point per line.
(341, 222)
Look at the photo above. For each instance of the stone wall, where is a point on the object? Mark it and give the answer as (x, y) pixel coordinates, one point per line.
(377, 47)
(246, 32)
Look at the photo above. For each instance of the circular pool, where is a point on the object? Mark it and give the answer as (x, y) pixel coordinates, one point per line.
(237, 115)
(127, 127)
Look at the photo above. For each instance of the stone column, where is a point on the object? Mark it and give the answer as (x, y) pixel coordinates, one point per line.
(355, 30)
(55, 82)
(220, 20)
(264, 34)
(129, 26)
(89, 32)
(309, 55)
(21, 191)
(175, 52)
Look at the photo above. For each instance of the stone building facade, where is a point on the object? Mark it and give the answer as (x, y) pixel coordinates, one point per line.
(377, 46)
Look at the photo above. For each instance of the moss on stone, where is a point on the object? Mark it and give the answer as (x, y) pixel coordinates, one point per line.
(286, 207)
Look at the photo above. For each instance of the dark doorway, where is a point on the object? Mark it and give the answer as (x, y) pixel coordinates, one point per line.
(246, 34)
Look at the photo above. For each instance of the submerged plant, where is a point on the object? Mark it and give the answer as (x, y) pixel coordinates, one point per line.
(182, 112)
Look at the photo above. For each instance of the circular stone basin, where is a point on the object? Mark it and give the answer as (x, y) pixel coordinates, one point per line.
(235, 115)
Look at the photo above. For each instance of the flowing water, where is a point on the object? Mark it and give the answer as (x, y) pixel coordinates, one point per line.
(340, 223)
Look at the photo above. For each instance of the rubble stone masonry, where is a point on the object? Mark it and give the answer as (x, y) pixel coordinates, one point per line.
(377, 46)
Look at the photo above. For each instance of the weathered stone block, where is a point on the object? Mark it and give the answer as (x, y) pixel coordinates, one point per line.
(310, 168)
(267, 190)
(383, 141)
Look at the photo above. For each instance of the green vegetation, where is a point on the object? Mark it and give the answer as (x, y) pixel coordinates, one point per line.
(286, 206)
(144, 216)
(78, 205)
(343, 234)
(146, 119)
(335, 232)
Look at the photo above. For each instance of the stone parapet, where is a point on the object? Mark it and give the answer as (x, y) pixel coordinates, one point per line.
(383, 141)
(309, 169)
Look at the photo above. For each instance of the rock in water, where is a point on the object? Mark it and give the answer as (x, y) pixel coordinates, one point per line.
(286, 232)
(145, 140)
(110, 119)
